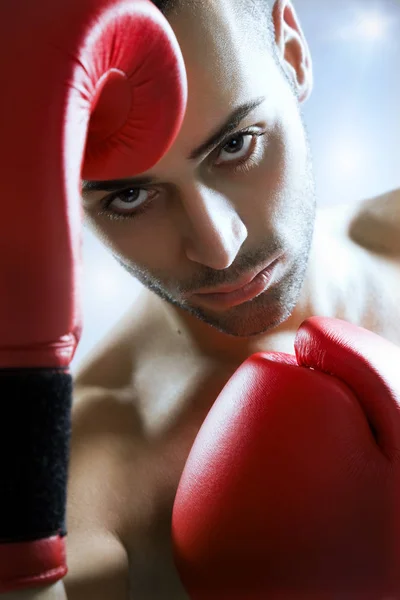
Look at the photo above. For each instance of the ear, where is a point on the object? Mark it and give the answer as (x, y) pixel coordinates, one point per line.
(292, 48)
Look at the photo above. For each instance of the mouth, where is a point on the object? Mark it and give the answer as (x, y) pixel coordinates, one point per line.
(245, 289)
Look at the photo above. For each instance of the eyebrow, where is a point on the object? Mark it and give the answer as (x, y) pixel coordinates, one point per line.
(231, 123)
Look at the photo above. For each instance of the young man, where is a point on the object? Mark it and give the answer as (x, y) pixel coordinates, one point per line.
(234, 194)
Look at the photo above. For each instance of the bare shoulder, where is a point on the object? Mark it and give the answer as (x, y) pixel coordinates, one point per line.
(104, 443)
(120, 478)
(98, 564)
(106, 428)
(113, 487)
(375, 224)
(109, 365)
(371, 225)
(364, 239)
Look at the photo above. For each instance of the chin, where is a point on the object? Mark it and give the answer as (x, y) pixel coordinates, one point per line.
(263, 314)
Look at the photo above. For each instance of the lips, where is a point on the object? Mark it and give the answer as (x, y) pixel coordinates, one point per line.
(242, 282)
(255, 284)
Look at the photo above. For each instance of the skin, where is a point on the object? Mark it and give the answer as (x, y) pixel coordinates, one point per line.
(142, 395)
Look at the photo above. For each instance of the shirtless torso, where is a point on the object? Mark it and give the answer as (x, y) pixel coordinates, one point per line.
(142, 396)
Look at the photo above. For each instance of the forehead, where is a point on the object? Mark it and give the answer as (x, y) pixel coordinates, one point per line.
(216, 42)
(224, 62)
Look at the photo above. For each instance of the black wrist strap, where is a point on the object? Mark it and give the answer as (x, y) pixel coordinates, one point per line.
(35, 429)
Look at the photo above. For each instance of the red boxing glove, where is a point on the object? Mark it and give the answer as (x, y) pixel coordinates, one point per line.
(92, 89)
(292, 487)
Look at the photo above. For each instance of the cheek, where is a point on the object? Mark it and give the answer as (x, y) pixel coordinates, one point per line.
(147, 242)
(289, 161)
(294, 191)
(294, 141)
(261, 193)
(274, 197)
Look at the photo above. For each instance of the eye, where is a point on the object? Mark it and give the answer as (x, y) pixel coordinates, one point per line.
(238, 147)
(242, 151)
(127, 203)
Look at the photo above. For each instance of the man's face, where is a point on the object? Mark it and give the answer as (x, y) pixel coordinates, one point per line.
(207, 218)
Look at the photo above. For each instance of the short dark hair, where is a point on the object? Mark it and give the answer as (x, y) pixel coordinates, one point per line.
(258, 9)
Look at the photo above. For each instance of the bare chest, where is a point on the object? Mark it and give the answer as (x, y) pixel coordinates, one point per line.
(173, 404)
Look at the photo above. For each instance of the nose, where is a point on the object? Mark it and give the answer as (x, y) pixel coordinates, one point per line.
(213, 232)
